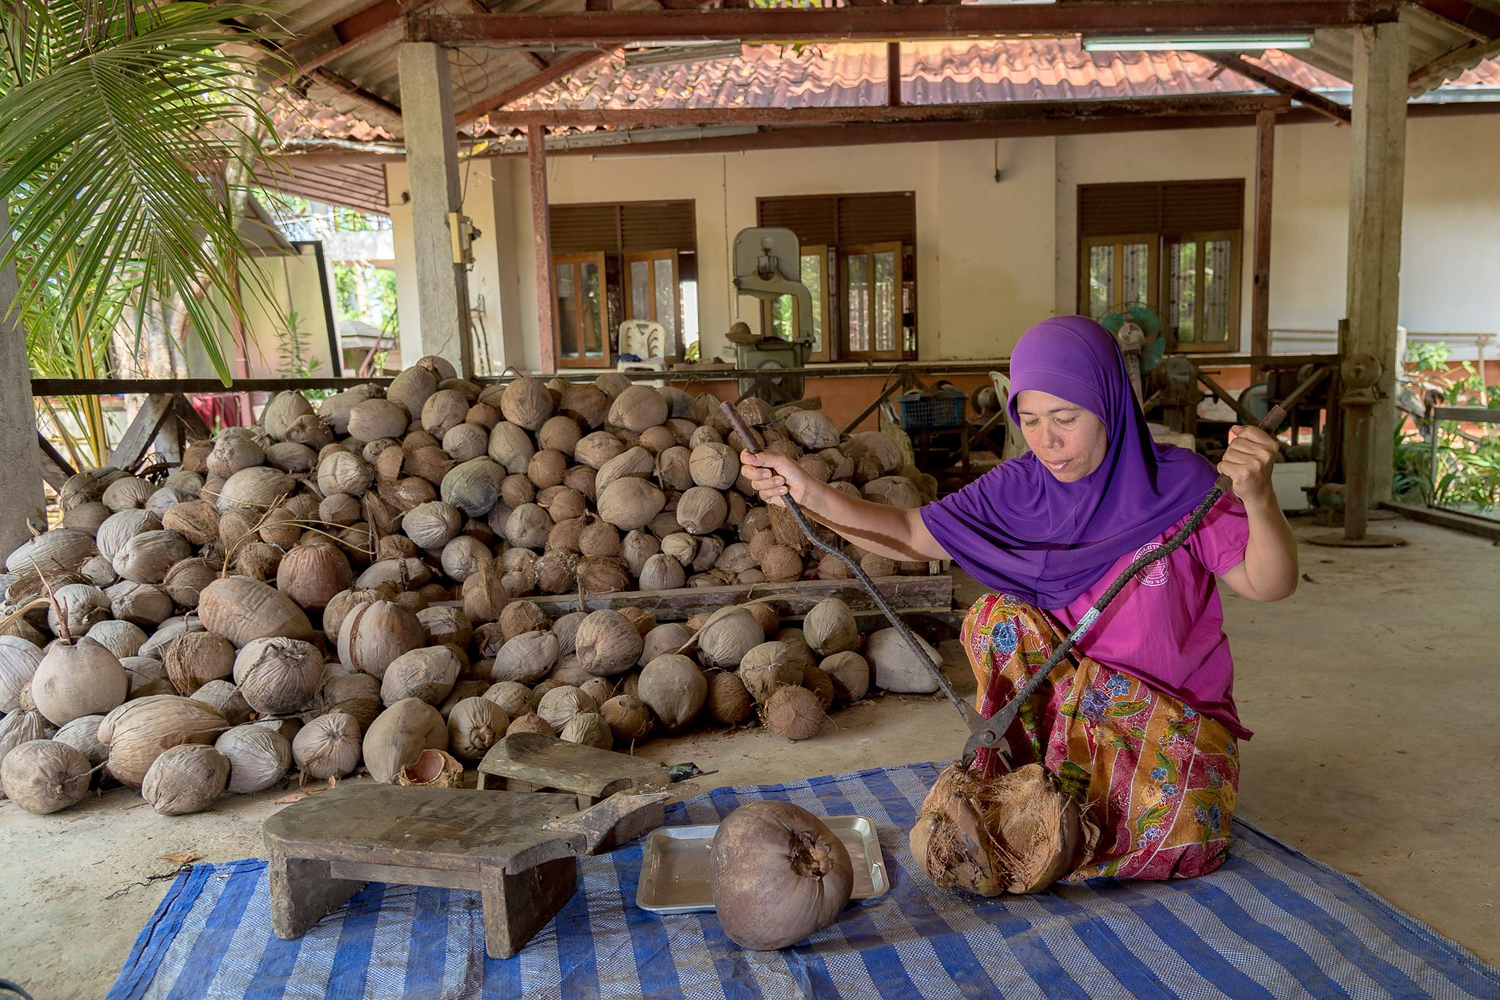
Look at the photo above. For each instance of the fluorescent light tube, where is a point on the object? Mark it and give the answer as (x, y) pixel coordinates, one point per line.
(1199, 43)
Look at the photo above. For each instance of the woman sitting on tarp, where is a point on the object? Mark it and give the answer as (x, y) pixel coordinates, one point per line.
(1139, 723)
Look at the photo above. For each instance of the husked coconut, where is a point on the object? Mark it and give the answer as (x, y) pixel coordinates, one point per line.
(729, 701)
(560, 434)
(812, 430)
(530, 723)
(589, 729)
(794, 712)
(61, 550)
(702, 509)
(258, 758)
(547, 468)
(312, 574)
(195, 520)
(893, 491)
(443, 411)
(895, 666)
(527, 403)
(726, 639)
(183, 586)
(638, 407)
(635, 463)
(511, 447)
(474, 726)
(830, 627)
(428, 673)
(767, 667)
(380, 418)
(586, 404)
(399, 735)
(521, 616)
(628, 718)
(662, 572)
(374, 634)
(278, 676)
(138, 731)
(44, 776)
(76, 608)
(797, 648)
(241, 609)
(328, 746)
(18, 662)
(850, 674)
(282, 409)
(766, 615)
(595, 450)
(607, 643)
(561, 703)
(473, 486)
(674, 689)
(185, 779)
(224, 698)
(466, 441)
(82, 734)
(79, 679)
(818, 681)
(630, 503)
(121, 638)
(433, 524)
(602, 575)
(527, 658)
(714, 465)
(514, 698)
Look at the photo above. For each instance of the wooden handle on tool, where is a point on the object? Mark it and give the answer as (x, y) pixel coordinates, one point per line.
(1269, 424)
(752, 440)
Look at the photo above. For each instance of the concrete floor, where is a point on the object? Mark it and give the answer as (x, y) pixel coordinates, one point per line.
(1372, 694)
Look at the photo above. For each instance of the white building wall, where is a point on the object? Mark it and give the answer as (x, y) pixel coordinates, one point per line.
(994, 258)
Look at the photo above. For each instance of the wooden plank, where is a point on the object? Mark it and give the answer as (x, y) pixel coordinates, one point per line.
(193, 427)
(1260, 286)
(794, 598)
(990, 111)
(892, 74)
(886, 22)
(142, 431)
(56, 470)
(1483, 527)
(1450, 64)
(115, 386)
(541, 239)
(548, 762)
(1310, 99)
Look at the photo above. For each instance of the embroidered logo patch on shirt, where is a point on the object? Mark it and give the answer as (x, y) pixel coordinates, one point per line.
(1157, 573)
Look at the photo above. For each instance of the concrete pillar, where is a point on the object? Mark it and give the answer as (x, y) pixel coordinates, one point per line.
(1377, 174)
(21, 486)
(432, 163)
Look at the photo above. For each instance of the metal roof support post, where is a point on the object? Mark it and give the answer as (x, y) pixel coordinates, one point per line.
(21, 486)
(436, 198)
(1377, 174)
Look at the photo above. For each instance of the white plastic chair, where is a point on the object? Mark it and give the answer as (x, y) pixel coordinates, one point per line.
(647, 340)
(1015, 442)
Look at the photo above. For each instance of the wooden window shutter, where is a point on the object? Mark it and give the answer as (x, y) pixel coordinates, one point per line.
(665, 225)
(1202, 206)
(584, 228)
(814, 220)
(1117, 209)
(877, 218)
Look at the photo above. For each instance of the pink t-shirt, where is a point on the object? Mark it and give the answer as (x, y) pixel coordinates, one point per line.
(1167, 626)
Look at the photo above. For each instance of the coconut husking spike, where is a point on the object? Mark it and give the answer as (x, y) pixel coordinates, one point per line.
(991, 734)
(753, 445)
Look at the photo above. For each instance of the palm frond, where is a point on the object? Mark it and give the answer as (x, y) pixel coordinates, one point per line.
(116, 121)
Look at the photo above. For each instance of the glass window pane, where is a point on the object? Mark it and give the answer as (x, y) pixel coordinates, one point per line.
(812, 277)
(1181, 285)
(1216, 286)
(783, 317)
(640, 289)
(690, 320)
(885, 301)
(666, 303)
(593, 311)
(858, 292)
(1135, 273)
(1101, 280)
(567, 311)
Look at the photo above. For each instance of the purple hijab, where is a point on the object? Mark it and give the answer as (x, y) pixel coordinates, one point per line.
(1019, 530)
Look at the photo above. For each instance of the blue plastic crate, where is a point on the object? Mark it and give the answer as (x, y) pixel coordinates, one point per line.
(932, 411)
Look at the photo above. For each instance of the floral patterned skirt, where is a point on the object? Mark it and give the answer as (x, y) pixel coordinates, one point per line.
(1159, 778)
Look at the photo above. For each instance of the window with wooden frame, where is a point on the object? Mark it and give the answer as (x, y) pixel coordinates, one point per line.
(646, 252)
(578, 280)
(1172, 246)
(867, 290)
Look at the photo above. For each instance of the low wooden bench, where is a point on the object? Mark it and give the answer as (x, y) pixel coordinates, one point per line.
(533, 761)
(325, 848)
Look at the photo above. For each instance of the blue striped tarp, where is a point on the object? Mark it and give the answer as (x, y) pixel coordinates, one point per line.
(1270, 923)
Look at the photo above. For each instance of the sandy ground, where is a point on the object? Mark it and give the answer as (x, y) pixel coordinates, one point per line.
(1372, 694)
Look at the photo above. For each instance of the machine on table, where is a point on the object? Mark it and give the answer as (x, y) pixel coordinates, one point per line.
(767, 265)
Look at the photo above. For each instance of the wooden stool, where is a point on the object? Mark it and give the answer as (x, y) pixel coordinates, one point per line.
(326, 847)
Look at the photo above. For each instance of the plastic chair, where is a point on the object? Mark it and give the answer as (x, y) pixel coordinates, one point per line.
(1015, 442)
(646, 340)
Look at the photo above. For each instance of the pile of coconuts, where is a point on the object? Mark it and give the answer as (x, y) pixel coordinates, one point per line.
(343, 586)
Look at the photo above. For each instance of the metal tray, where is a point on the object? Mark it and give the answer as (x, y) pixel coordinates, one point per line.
(675, 875)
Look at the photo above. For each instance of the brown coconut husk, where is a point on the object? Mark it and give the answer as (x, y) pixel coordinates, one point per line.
(432, 769)
(1017, 833)
(794, 712)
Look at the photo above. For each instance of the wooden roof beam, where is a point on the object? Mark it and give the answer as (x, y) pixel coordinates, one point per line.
(887, 22)
(370, 21)
(553, 71)
(1264, 77)
(1000, 111)
(1426, 77)
(1480, 21)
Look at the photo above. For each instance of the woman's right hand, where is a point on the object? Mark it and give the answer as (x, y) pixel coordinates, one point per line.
(774, 476)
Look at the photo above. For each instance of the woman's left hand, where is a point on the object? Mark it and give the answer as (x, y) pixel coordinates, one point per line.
(1252, 452)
